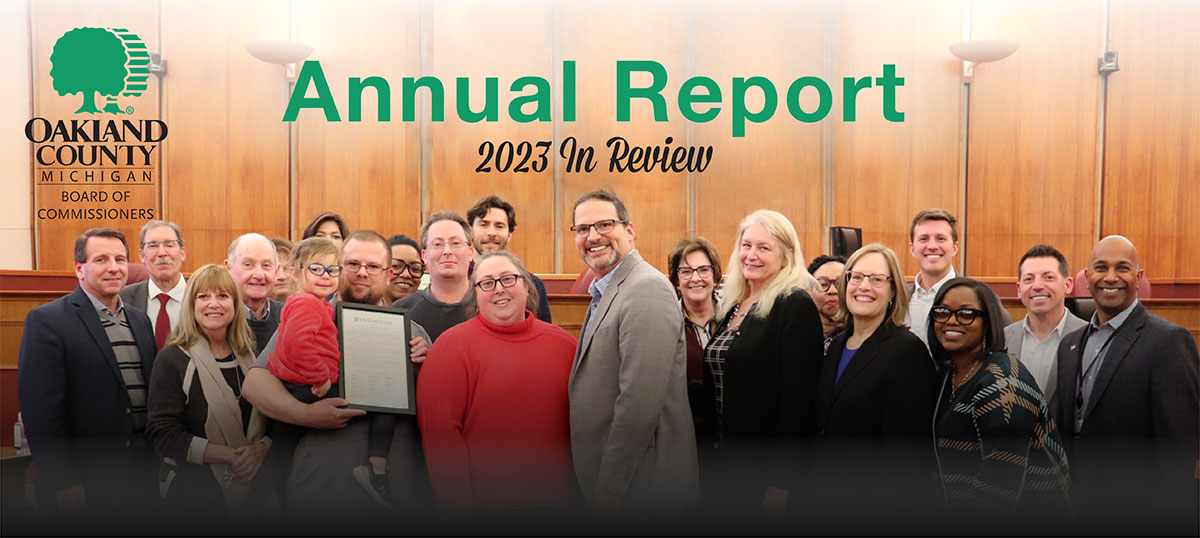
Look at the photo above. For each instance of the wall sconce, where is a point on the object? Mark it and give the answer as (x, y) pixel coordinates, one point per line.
(981, 51)
(285, 53)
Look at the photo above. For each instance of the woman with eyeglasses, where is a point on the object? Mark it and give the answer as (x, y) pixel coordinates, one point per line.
(694, 268)
(761, 369)
(210, 439)
(998, 449)
(827, 270)
(407, 268)
(492, 405)
(875, 400)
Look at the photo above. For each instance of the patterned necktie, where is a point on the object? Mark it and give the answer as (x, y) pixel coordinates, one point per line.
(162, 324)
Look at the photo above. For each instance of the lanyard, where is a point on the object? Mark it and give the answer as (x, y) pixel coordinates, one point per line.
(1082, 373)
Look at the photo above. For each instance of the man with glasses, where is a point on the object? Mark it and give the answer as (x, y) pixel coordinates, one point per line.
(632, 437)
(493, 222)
(448, 253)
(161, 296)
(251, 259)
(328, 476)
(827, 270)
(407, 268)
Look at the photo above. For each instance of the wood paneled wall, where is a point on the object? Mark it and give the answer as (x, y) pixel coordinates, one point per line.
(1152, 135)
(1034, 164)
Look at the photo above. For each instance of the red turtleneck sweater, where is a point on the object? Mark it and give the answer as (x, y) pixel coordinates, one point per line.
(492, 406)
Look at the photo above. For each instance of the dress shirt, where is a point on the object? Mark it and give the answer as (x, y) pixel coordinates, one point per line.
(174, 304)
(1038, 356)
(921, 303)
(596, 290)
(1095, 349)
(250, 315)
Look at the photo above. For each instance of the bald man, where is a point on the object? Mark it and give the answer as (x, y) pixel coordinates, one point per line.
(251, 258)
(1127, 390)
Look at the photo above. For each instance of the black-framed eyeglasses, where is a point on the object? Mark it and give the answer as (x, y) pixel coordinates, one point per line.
(877, 280)
(318, 269)
(823, 283)
(489, 284)
(602, 227)
(685, 272)
(372, 268)
(966, 316)
(416, 269)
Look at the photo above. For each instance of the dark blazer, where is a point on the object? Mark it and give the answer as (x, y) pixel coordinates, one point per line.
(73, 399)
(136, 295)
(1135, 456)
(874, 425)
(770, 377)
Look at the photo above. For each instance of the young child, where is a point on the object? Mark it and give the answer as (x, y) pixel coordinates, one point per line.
(305, 359)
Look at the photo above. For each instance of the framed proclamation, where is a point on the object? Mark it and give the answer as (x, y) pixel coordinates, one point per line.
(375, 373)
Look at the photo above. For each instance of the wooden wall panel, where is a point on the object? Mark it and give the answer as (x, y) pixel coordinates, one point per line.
(51, 19)
(1152, 139)
(597, 36)
(509, 40)
(1032, 162)
(227, 151)
(779, 164)
(885, 172)
(368, 171)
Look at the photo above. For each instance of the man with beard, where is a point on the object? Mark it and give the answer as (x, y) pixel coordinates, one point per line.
(632, 437)
(321, 481)
(1127, 391)
(407, 268)
(160, 296)
(448, 253)
(493, 222)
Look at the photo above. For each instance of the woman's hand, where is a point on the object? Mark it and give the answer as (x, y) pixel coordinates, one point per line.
(248, 461)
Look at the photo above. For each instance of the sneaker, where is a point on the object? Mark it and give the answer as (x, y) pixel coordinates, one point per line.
(376, 485)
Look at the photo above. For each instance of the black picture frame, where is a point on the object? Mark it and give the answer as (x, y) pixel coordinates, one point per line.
(346, 377)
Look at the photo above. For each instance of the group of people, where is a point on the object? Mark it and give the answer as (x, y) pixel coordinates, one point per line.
(762, 394)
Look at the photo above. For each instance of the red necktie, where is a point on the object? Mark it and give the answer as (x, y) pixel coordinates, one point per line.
(162, 326)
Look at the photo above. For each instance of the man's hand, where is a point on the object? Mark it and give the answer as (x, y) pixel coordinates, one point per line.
(331, 414)
(418, 348)
(71, 500)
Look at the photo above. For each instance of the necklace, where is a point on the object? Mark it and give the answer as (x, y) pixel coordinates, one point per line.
(954, 386)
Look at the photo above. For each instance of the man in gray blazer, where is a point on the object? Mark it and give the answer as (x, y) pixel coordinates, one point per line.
(1129, 408)
(632, 437)
(1042, 285)
(161, 295)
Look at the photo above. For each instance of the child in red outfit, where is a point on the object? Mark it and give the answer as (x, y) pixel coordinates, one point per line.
(306, 357)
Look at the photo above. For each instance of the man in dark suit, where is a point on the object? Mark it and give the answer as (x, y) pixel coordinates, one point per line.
(1127, 390)
(84, 362)
(161, 295)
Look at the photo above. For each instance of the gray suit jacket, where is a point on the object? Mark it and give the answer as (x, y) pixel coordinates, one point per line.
(136, 295)
(631, 426)
(1014, 335)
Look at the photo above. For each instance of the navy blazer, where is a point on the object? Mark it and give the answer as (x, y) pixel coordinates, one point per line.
(74, 404)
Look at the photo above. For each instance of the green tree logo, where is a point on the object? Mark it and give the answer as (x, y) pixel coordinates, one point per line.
(108, 61)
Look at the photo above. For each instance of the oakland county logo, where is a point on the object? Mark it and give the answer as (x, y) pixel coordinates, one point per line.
(108, 61)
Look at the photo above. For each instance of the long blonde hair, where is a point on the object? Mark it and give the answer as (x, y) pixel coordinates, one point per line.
(209, 278)
(793, 276)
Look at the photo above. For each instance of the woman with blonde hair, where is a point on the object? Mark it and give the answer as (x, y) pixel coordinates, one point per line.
(761, 370)
(210, 439)
(875, 399)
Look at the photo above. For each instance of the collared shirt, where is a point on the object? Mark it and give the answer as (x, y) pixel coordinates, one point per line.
(250, 315)
(174, 304)
(597, 287)
(703, 332)
(1095, 350)
(1038, 356)
(921, 303)
(101, 308)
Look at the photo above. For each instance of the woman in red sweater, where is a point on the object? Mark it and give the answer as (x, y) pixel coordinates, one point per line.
(492, 402)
